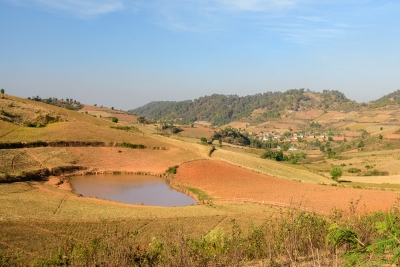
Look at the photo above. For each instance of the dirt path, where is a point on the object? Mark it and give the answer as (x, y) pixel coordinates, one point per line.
(220, 179)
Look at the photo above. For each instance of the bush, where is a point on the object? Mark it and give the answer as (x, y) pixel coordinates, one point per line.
(130, 145)
(336, 173)
(354, 170)
(114, 119)
(361, 144)
(376, 172)
(172, 170)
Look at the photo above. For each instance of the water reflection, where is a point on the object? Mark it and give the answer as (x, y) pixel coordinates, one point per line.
(133, 189)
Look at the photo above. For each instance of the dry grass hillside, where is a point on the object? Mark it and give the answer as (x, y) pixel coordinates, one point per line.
(159, 153)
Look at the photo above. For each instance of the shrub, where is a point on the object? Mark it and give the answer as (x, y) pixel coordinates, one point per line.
(376, 172)
(114, 119)
(130, 145)
(382, 251)
(361, 144)
(172, 170)
(354, 170)
(336, 173)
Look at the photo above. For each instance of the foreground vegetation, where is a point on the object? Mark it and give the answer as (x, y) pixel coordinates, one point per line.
(289, 237)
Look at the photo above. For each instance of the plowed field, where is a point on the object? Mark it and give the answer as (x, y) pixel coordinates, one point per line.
(220, 179)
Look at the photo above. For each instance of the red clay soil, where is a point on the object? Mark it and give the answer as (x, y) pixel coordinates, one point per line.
(392, 136)
(220, 179)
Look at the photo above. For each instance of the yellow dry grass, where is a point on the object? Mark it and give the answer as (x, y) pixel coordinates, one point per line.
(36, 219)
(269, 167)
(377, 128)
(385, 160)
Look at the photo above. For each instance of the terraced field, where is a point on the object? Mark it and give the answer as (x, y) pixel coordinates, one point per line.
(220, 179)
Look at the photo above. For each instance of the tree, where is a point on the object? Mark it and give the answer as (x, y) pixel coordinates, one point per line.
(322, 148)
(336, 173)
(317, 142)
(112, 108)
(361, 144)
(2, 91)
(380, 137)
(381, 128)
(220, 142)
(114, 119)
(141, 119)
(203, 140)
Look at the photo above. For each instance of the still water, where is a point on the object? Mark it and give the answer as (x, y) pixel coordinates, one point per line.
(132, 189)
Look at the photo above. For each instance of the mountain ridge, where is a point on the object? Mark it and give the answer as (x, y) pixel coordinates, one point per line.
(222, 109)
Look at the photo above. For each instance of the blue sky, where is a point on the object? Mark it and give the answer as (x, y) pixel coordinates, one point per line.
(127, 53)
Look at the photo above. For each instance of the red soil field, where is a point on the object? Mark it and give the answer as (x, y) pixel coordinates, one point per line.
(220, 179)
(130, 160)
(393, 136)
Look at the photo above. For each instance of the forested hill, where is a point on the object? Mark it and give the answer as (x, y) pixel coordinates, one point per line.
(387, 100)
(222, 109)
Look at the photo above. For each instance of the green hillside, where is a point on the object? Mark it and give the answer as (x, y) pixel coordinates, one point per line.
(387, 100)
(222, 109)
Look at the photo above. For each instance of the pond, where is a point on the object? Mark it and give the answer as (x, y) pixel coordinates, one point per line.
(132, 189)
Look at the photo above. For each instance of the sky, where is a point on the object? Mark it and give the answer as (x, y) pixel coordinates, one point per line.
(126, 53)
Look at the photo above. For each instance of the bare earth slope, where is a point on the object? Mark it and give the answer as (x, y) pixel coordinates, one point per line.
(221, 179)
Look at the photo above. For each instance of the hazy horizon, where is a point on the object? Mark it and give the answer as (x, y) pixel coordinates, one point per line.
(128, 53)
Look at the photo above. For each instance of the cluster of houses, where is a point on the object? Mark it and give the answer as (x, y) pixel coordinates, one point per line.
(265, 136)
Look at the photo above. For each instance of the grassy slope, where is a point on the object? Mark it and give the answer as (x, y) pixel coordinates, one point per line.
(76, 126)
(34, 213)
(37, 218)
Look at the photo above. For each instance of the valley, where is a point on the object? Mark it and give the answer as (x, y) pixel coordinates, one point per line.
(233, 170)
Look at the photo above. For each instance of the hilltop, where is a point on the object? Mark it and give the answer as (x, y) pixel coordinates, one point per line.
(392, 99)
(223, 109)
(219, 109)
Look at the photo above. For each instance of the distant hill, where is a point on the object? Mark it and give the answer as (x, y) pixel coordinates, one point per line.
(222, 109)
(387, 100)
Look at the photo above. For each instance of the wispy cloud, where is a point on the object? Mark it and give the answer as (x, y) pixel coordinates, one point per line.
(257, 5)
(297, 21)
(79, 8)
(314, 19)
(213, 15)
